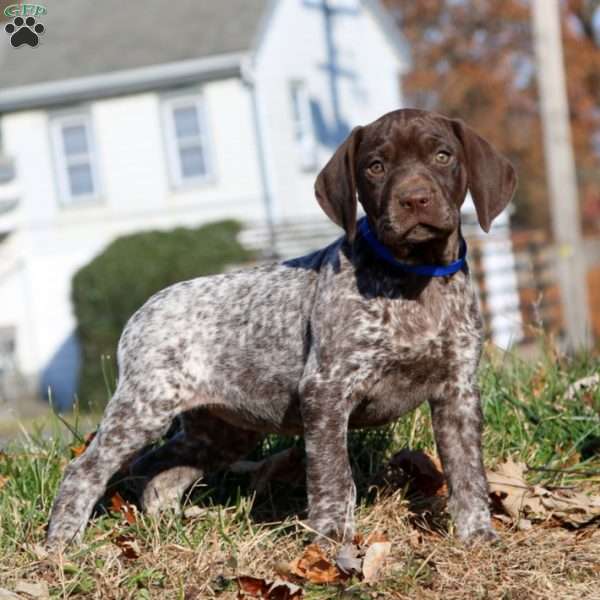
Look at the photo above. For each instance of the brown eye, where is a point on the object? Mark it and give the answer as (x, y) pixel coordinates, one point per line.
(376, 168)
(443, 157)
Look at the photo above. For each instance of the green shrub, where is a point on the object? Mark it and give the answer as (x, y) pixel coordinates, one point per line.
(108, 290)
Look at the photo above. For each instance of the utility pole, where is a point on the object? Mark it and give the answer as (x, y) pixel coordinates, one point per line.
(560, 169)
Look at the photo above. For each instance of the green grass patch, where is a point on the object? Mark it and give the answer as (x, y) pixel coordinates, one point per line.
(528, 417)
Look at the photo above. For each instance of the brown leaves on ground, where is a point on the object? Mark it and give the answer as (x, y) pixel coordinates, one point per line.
(315, 566)
(525, 503)
(374, 559)
(128, 545)
(362, 558)
(254, 587)
(77, 451)
(581, 386)
(126, 509)
(510, 493)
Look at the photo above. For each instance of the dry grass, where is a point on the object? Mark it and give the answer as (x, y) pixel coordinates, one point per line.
(230, 533)
(200, 558)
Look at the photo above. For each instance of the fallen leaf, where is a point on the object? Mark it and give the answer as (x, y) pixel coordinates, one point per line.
(588, 398)
(361, 559)
(513, 492)
(3, 481)
(284, 590)
(374, 560)
(349, 559)
(572, 507)
(128, 546)
(374, 537)
(79, 450)
(315, 567)
(365, 559)
(505, 520)
(119, 505)
(34, 590)
(525, 503)
(582, 385)
(255, 587)
(252, 586)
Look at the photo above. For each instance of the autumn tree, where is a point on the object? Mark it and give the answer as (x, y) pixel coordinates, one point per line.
(474, 59)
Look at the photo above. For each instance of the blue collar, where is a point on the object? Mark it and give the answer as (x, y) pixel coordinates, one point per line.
(427, 270)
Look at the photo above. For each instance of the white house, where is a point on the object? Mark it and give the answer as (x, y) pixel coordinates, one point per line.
(146, 114)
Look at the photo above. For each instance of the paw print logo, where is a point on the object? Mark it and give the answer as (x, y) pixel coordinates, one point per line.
(24, 31)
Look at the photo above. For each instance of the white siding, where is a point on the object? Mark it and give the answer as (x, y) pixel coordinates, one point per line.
(294, 48)
(135, 190)
(57, 239)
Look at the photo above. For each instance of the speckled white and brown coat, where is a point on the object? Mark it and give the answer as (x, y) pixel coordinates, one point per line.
(317, 345)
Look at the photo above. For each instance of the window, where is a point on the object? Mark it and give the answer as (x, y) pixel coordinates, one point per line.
(302, 125)
(187, 140)
(75, 159)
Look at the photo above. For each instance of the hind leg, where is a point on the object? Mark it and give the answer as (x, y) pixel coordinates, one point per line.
(206, 444)
(133, 418)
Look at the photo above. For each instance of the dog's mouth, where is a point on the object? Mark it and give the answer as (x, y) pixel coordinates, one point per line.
(419, 233)
(422, 233)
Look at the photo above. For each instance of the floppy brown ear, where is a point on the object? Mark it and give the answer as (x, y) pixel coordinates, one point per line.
(335, 186)
(492, 179)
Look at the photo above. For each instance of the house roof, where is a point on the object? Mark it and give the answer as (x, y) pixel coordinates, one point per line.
(90, 37)
(99, 48)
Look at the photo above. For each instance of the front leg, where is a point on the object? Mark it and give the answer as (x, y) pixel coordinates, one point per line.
(331, 489)
(457, 425)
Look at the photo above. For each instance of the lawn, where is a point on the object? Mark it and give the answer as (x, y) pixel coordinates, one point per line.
(227, 530)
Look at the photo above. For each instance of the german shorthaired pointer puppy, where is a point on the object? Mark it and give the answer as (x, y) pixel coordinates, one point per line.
(354, 335)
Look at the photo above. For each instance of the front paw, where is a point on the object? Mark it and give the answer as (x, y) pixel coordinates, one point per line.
(474, 525)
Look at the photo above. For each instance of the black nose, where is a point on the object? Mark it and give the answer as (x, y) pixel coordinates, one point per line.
(414, 199)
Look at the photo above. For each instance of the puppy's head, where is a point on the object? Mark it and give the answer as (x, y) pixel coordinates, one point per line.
(410, 170)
